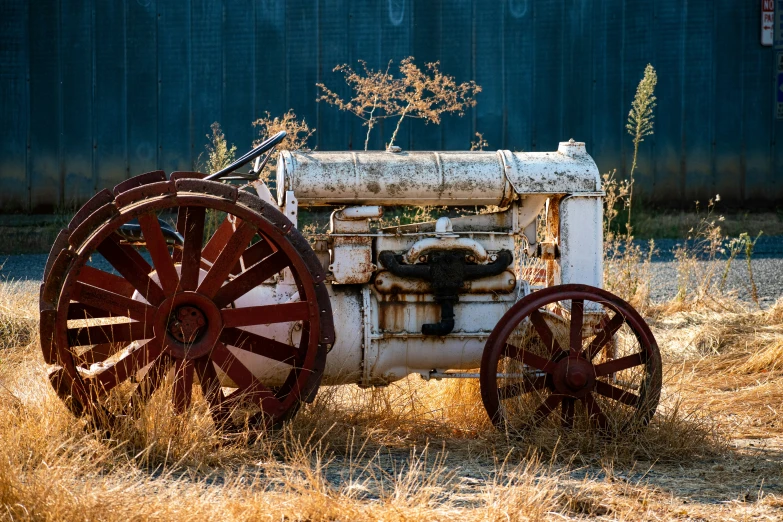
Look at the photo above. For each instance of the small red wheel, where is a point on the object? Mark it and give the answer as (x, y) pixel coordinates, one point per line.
(571, 355)
(179, 303)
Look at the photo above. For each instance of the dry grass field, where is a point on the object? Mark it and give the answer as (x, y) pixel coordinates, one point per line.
(414, 450)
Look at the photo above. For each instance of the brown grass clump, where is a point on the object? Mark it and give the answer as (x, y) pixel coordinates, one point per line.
(18, 313)
(730, 366)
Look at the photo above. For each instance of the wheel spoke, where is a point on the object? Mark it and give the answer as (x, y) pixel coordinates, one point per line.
(249, 387)
(128, 262)
(249, 279)
(567, 411)
(210, 388)
(176, 254)
(159, 252)
(266, 314)
(228, 257)
(219, 239)
(623, 363)
(613, 392)
(546, 407)
(97, 353)
(191, 251)
(595, 412)
(604, 336)
(256, 252)
(110, 333)
(577, 321)
(135, 358)
(259, 345)
(149, 383)
(529, 358)
(183, 384)
(82, 312)
(520, 388)
(110, 282)
(544, 332)
(115, 304)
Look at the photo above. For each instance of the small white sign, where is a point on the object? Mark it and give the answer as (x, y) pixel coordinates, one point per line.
(767, 22)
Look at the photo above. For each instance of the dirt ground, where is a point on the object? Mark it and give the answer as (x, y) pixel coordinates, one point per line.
(415, 450)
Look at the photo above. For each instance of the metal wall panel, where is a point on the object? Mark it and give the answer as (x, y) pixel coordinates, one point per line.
(45, 159)
(141, 85)
(109, 124)
(93, 92)
(14, 106)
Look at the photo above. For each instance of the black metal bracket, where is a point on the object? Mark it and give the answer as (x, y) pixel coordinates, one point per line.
(447, 271)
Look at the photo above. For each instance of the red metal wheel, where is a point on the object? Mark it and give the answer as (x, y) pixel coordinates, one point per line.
(194, 309)
(571, 355)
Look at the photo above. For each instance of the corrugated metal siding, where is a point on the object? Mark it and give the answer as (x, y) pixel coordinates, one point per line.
(94, 92)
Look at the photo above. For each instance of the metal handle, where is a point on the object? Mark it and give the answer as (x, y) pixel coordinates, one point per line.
(267, 145)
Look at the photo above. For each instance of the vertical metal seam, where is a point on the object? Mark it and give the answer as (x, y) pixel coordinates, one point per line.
(621, 125)
(713, 123)
(158, 158)
(504, 88)
(318, 71)
(561, 104)
(654, 137)
(254, 69)
(286, 61)
(743, 137)
(125, 87)
(410, 43)
(222, 60)
(473, 110)
(533, 130)
(94, 90)
(191, 123)
(60, 98)
(772, 127)
(28, 158)
(683, 161)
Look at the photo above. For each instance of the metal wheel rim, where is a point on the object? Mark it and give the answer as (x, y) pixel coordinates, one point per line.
(495, 350)
(316, 334)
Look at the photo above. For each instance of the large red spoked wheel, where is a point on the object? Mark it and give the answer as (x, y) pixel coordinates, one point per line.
(121, 316)
(571, 355)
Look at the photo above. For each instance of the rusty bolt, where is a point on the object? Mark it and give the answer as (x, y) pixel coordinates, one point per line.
(471, 259)
(422, 259)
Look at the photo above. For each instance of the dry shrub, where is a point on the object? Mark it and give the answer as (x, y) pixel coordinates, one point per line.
(626, 265)
(298, 133)
(219, 154)
(415, 93)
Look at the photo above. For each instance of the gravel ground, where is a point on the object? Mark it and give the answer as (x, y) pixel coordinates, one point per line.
(767, 270)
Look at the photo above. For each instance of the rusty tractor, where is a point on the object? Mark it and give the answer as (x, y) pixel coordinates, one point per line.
(166, 283)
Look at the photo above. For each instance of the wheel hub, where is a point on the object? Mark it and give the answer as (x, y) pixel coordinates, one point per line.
(186, 323)
(574, 376)
(192, 325)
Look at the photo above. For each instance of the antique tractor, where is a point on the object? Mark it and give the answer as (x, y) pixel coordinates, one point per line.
(168, 281)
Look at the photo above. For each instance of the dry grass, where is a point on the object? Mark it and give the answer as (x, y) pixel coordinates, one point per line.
(410, 451)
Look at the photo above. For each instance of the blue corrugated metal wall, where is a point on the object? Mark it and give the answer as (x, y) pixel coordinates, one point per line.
(92, 92)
